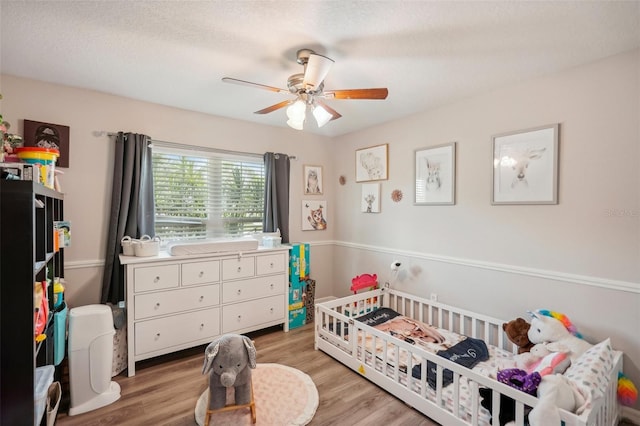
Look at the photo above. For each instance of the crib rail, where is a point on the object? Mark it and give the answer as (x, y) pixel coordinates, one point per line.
(350, 341)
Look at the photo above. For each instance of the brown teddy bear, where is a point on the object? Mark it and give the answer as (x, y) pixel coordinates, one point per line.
(516, 331)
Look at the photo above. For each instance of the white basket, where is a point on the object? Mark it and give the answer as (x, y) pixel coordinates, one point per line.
(127, 246)
(146, 246)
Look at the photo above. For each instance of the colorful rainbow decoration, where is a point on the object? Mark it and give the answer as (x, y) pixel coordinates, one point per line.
(563, 319)
(627, 392)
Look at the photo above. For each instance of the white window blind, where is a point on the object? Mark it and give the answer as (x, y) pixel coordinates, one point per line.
(202, 194)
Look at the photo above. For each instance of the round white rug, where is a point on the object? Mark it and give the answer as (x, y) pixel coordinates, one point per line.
(283, 396)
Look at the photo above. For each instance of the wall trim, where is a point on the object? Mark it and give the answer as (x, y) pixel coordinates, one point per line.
(625, 286)
(81, 264)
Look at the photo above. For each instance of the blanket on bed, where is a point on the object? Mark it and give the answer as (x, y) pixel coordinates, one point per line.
(463, 350)
(467, 353)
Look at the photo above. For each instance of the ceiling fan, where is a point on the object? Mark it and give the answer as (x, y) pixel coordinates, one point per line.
(308, 87)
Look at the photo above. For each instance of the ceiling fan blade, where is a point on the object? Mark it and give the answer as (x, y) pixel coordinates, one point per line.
(316, 70)
(377, 93)
(330, 110)
(275, 107)
(250, 84)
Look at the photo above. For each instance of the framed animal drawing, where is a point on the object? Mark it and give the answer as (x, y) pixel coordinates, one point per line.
(435, 175)
(312, 179)
(525, 166)
(314, 214)
(372, 163)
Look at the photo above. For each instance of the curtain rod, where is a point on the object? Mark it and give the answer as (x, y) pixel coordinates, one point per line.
(190, 147)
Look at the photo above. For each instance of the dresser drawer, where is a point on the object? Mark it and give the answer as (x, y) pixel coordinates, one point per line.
(255, 312)
(236, 291)
(201, 272)
(270, 264)
(155, 277)
(168, 302)
(242, 267)
(161, 333)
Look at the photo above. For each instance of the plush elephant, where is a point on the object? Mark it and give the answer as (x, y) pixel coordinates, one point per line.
(230, 359)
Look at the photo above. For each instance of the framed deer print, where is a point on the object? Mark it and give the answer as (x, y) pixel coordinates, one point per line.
(435, 175)
(525, 166)
(372, 163)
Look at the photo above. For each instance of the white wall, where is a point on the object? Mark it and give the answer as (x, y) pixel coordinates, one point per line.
(580, 257)
(87, 182)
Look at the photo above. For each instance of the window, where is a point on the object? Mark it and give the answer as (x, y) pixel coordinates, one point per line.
(202, 194)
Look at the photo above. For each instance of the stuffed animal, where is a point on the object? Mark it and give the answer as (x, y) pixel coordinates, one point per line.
(516, 331)
(557, 331)
(555, 391)
(230, 359)
(540, 359)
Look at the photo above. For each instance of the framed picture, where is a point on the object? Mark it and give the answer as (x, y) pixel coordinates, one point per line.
(525, 166)
(435, 173)
(370, 202)
(372, 163)
(312, 179)
(47, 135)
(314, 215)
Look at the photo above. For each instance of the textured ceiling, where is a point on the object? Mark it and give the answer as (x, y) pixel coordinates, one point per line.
(427, 53)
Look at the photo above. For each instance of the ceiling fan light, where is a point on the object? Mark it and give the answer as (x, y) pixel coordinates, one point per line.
(322, 115)
(297, 110)
(296, 124)
(317, 69)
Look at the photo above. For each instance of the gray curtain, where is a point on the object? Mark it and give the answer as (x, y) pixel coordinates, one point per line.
(276, 194)
(132, 207)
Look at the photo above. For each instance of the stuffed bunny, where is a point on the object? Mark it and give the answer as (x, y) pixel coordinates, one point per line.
(230, 359)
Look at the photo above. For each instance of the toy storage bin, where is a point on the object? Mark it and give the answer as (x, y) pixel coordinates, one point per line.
(44, 159)
(44, 379)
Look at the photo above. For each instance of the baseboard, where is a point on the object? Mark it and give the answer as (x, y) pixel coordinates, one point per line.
(631, 415)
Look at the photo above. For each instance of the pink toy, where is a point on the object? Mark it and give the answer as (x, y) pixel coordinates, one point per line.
(364, 281)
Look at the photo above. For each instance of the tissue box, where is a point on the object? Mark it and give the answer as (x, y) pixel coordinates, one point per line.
(271, 242)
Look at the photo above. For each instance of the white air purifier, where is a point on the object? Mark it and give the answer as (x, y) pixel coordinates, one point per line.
(90, 357)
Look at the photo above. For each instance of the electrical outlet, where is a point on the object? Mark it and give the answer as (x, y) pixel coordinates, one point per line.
(434, 297)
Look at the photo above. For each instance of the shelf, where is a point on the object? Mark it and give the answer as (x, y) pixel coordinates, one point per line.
(29, 211)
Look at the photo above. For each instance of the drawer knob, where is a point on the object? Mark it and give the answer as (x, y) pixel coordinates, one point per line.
(157, 305)
(271, 285)
(239, 268)
(271, 265)
(201, 326)
(201, 274)
(201, 298)
(271, 310)
(156, 279)
(239, 317)
(239, 291)
(157, 336)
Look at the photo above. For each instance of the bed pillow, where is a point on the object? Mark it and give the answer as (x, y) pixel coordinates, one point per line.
(590, 373)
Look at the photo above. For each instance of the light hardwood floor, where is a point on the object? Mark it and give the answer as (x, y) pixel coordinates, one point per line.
(165, 389)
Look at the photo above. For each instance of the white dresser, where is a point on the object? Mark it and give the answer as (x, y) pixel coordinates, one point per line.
(177, 302)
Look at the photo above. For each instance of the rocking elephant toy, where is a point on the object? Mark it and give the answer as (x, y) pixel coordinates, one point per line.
(229, 359)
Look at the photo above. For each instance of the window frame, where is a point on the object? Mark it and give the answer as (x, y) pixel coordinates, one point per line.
(214, 223)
